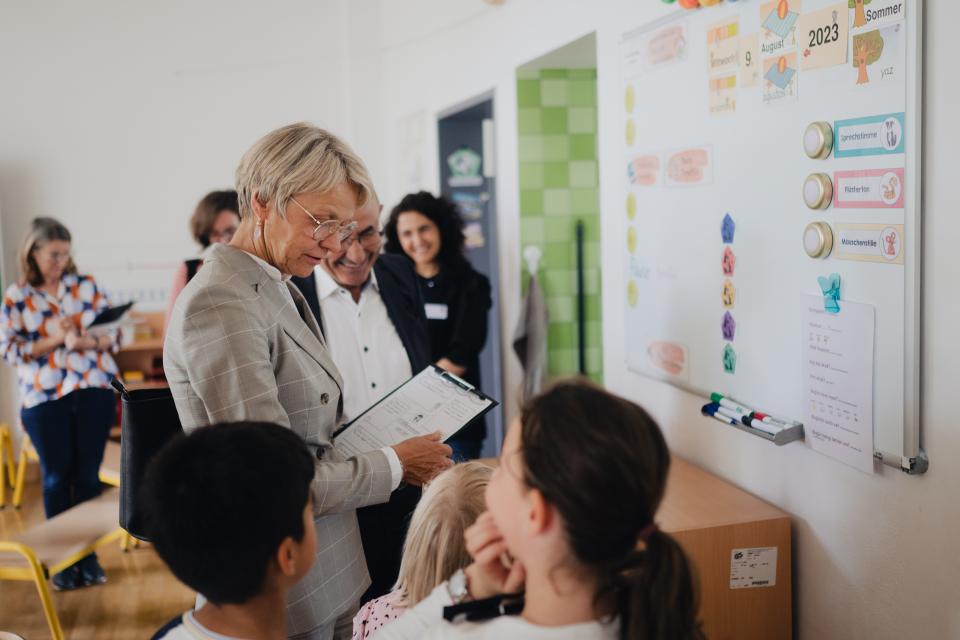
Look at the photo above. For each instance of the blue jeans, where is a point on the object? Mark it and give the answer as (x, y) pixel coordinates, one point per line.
(70, 435)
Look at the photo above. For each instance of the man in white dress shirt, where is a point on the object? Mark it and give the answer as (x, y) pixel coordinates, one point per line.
(371, 313)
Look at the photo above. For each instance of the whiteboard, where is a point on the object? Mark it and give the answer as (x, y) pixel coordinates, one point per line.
(699, 146)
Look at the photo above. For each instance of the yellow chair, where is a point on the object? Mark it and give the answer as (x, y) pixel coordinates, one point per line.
(27, 453)
(7, 470)
(58, 543)
(109, 474)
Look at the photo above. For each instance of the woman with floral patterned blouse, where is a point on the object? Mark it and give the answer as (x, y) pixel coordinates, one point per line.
(67, 405)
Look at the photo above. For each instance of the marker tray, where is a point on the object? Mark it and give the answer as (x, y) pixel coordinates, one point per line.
(788, 434)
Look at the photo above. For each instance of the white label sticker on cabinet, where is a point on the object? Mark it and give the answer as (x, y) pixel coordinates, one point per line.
(751, 568)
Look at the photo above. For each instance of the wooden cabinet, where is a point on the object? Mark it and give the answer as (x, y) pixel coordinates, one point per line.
(145, 353)
(710, 518)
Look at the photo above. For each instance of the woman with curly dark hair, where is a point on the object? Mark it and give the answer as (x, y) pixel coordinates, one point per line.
(429, 231)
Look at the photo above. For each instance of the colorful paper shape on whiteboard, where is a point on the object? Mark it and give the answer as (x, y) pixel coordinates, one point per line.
(727, 229)
(780, 18)
(879, 55)
(723, 94)
(729, 359)
(750, 60)
(869, 189)
(633, 294)
(729, 261)
(631, 206)
(668, 357)
(778, 25)
(689, 167)
(666, 45)
(728, 326)
(723, 46)
(830, 285)
(644, 171)
(823, 36)
(870, 243)
(780, 74)
(870, 136)
(780, 79)
(631, 239)
(729, 295)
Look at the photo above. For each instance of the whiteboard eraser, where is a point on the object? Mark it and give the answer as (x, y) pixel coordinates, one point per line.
(818, 191)
(818, 140)
(818, 240)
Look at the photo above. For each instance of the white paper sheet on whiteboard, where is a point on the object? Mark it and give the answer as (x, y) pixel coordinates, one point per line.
(838, 380)
(431, 401)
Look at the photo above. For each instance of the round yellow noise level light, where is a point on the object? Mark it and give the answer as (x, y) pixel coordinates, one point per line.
(818, 191)
(633, 295)
(818, 240)
(818, 140)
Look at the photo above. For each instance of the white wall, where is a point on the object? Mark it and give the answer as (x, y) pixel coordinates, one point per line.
(116, 117)
(875, 557)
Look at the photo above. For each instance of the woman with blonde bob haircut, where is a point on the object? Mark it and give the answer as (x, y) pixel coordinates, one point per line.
(242, 345)
(435, 547)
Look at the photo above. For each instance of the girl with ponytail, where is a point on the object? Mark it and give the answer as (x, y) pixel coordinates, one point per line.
(570, 532)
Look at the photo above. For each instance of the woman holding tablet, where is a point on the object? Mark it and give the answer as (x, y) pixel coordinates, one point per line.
(67, 405)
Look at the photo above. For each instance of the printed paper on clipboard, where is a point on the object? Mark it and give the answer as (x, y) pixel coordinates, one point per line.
(433, 400)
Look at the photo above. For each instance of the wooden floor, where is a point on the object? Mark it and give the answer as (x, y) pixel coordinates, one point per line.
(139, 597)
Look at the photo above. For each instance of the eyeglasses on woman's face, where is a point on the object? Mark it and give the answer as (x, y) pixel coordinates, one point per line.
(224, 236)
(370, 239)
(52, 257)
(327, 228)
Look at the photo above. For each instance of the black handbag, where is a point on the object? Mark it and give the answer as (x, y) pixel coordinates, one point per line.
(149, 420)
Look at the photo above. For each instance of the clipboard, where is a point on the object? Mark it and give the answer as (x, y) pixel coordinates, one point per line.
(433, 400)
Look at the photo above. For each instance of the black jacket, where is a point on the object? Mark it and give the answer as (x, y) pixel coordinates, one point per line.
(401, 295)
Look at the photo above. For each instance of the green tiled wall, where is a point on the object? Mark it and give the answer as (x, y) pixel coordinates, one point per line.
(557, 127)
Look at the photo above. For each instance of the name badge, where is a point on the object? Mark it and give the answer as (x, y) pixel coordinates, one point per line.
(435, 311)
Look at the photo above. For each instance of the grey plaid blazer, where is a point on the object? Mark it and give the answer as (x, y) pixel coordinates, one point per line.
(237, 349)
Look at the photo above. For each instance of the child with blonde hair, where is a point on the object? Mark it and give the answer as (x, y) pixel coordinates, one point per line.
(434, 548)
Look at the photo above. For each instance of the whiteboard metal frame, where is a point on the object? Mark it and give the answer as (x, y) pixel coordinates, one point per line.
(913, 460)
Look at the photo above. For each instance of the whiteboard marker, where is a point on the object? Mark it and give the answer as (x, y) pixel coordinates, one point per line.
(768, 419)
(733, 415)
(717, 416)
(759, 425)
(730, 404)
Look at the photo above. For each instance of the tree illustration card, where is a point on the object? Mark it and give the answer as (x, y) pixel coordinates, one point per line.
(878, 55)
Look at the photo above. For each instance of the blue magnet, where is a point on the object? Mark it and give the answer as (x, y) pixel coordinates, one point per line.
(727, 229)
